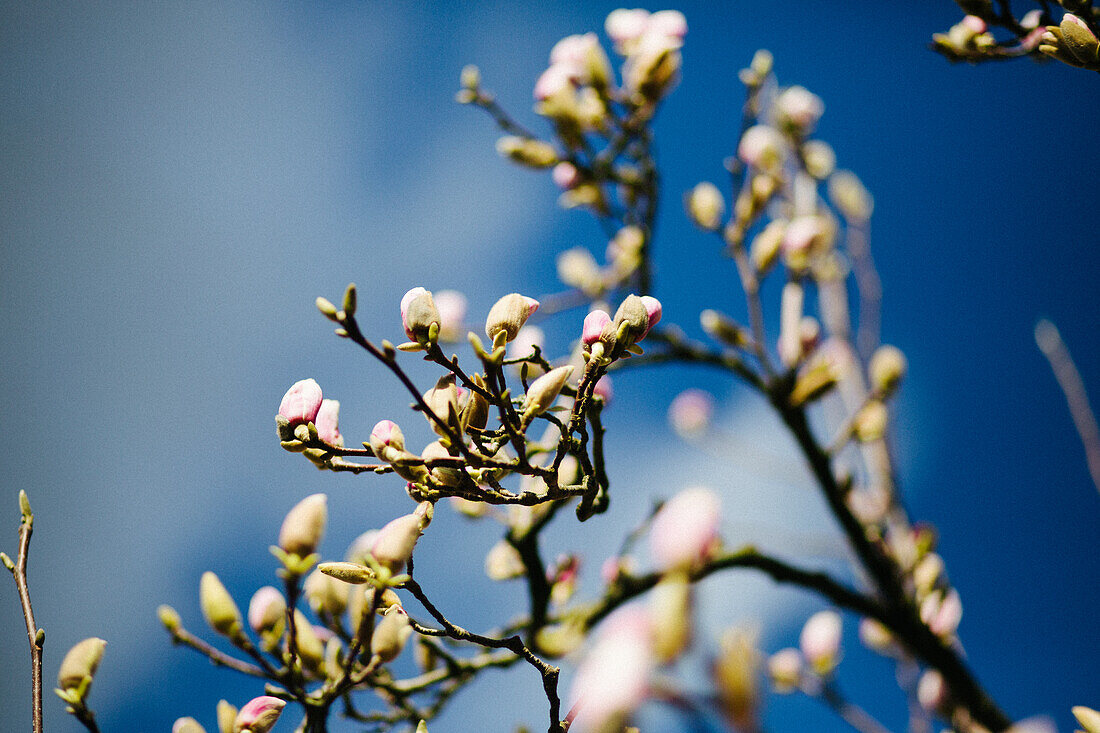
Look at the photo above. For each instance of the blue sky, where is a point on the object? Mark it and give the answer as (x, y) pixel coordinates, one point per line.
(179, 183)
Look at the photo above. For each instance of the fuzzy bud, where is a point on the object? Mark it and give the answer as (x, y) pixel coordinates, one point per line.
(870, 422)
(442, 400)
(169, 618)
(875, 636)
(690, 411)
(266, 609)
(218, 607)
(1088, 718)
(390, 635)
(887, 368)
(508, 315)
(565, 175)
(258, 715)
(735, 674)
(820, 159)
(931, 691)
(187, 725)
(1080, 41)
(227, 716)
(820, 641)
(386, 435)
(785, 670)
(80, 663)
(395, 542)
(419, 314)
(503, 562)
(849, 196)
(304, 526)
(528, 151)
(706, 207)
(578, 269)
(633, 313)
(301, 402)
(765, 246)
(685, 530)
(722, 328)
(762, 147)
(544, 390)
(799, 109)
(942, 612)
(670, 610)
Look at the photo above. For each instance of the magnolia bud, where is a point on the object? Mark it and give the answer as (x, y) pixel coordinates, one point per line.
(875, 636)
(188, 725)
(218, 607)
(544, 390)
(626, 25)
(1080, 41)
(386, 434)
(326, 594)
(227, 716)
(395, 542)
(577, 268)
(926, 572)
(258, 715)
(451, 306)
(931, 691)
(301, 402)
(762, 147)
(942, 612)
(633, 313)
(442, 400)
(685, 530)
(1088, 718)
(528, 151)
(653, 312)
(565, 175)
(722, 328)
(820, 641)
(390, 635)
(310, 647)
(689, 412)
(706, 206)
(603, 389)
(670, 609)
(266, 609)
(735, 674)
(304, 526)
(419, 315)
(819, 158)
(328, 423)
(596, 328)
(765, 246)
(785, 670)
(503, 562)
(169, 618)
(475, 412)
(850, 197)
(790, 316)
(508, 315)
(441, 474)
(80, 663)
(347, 572)
(887, 368)
(870, 422)
(798, 109)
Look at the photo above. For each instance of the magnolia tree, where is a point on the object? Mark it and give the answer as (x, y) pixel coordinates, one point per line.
(519, 441)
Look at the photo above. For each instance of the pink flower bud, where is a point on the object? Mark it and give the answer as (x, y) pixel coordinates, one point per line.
(418, 313)
(974, 24)
(552, 82)
(685, 530)
(304, 526)
(800, 108)
(328, 422)
(301, 402)
(690, 412)
(931, 691)
(604, 390)
(653, 310)
(394, 544)
(626, 25)
(451, 305)
(761, 147)
(942, 612)
(259, 714)
(668, 23)
(508, 315)
(594, 325)
(386, 434)
(820, 640)
(265, 609)
(785, 670)
(572, 52)
(187, 725)
(613, 679)
(565, 175)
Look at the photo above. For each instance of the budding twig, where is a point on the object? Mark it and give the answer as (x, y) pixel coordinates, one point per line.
(35, 635)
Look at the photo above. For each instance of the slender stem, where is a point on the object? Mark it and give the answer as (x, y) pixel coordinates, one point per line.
(216, 656)
(35, 636)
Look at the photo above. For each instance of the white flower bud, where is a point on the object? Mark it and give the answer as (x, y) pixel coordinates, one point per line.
(544, 390)
(304, 526)
(706, 206)
(390, 634)
(508, 315)
(218, 607)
